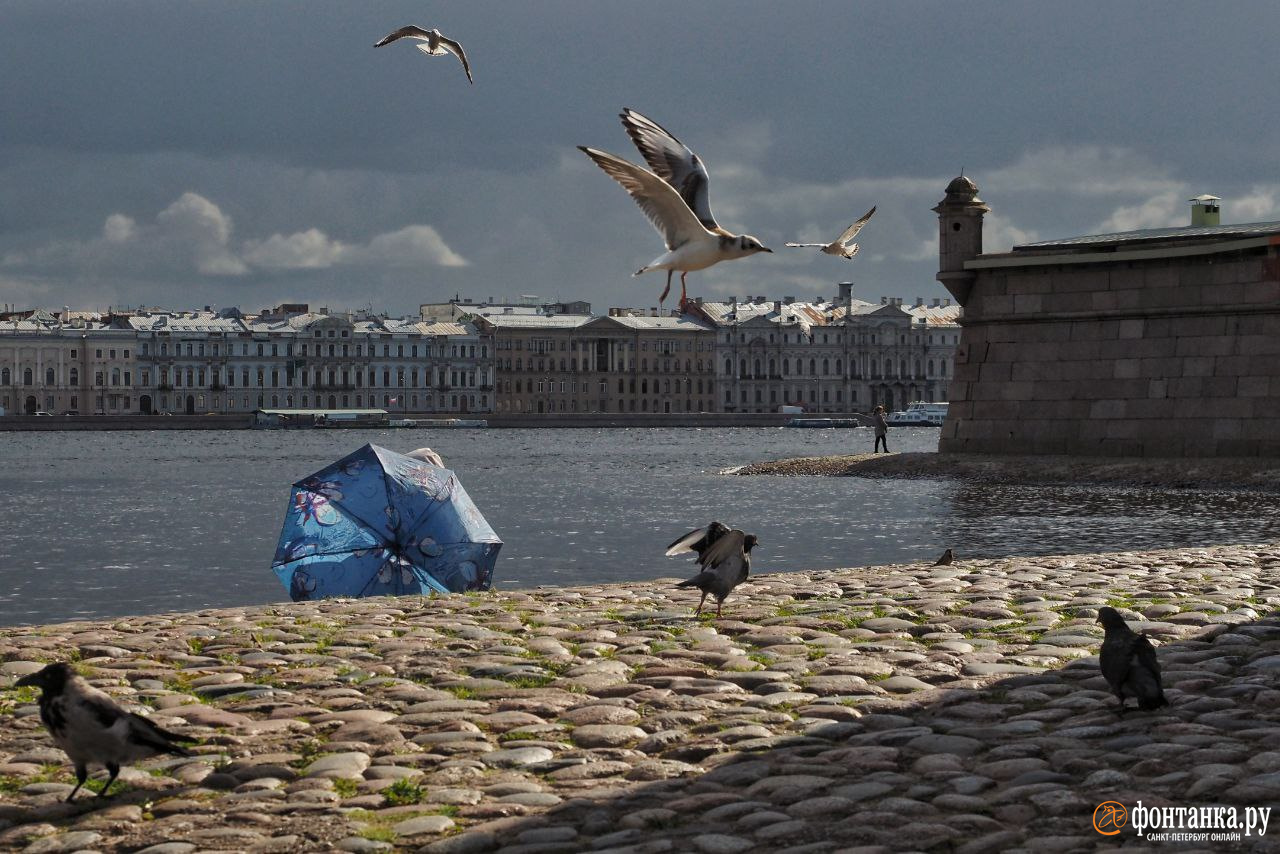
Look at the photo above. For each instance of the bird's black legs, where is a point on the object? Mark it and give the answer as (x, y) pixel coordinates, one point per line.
(698, 613)
(112, 769)
(666, 290)
(82, 774)
(1121, 710)
(719, 605)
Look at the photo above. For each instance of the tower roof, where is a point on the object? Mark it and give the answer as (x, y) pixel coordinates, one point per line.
(962, 184)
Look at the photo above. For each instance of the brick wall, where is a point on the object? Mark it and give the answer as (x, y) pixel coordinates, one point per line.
(1161, 358)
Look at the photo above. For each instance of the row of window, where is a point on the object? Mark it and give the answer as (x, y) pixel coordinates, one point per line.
(196, 348)
(586, 345)
(826, 368)
(195, 378)
(571, 386)
(665, 366)
(660, 406)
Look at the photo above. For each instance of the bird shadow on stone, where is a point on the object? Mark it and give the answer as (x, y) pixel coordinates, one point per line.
(965, 764)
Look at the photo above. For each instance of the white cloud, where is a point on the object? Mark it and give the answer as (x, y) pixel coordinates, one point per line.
(193, 234)
(410, 246)
(304, 250)
(1001, 235)
(1086, 170)
(1162, 210)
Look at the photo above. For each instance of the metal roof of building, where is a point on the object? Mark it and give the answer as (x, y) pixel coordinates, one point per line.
(1155, 235)
(530, 321)
(684, 323)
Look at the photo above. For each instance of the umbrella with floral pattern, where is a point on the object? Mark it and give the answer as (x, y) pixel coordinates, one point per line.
(380, 523)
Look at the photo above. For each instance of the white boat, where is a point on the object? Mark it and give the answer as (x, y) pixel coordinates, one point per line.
(919, 414)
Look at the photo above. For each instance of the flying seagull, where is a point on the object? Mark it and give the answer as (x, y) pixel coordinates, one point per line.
(92, 728)
(1128, 662)
(674, 198)
(725, 563)
(841, 246)
(436, 44)
(946, 559)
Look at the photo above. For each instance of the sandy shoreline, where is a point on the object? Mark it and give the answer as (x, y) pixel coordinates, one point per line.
(1254, 473)
(824, 709)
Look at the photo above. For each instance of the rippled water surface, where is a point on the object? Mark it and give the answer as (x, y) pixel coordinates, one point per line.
(104, 524)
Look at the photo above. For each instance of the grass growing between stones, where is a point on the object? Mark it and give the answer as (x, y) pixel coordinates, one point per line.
(346, 788)
(402, 793)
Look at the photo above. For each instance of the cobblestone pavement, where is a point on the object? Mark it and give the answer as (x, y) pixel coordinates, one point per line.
(898, 708)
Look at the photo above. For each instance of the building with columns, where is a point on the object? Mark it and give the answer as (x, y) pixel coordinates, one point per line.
(837, 355)
(226, 362)
(623, 362)
(82, 366)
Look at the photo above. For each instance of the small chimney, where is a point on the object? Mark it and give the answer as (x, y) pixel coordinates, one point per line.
(788, 299)
(934, 303)
(919, 301)
(884, 300)
(1205, 210)
(846, 292)
(947, 301)
(653, 311)
(777, 306)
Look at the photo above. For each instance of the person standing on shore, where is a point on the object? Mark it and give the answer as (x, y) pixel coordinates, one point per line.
(882, 429)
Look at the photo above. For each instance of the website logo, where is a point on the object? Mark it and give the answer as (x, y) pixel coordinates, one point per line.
(1110, 818)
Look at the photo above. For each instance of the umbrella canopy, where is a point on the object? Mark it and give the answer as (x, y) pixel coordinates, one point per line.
(379, 523)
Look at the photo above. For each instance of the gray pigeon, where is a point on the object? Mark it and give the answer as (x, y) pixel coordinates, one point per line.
(92, 728)
(725, 564)
(947, 558)
(1128, 662)
(698, 541)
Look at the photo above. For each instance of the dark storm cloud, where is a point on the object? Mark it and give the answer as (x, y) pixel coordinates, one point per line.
(340, 171)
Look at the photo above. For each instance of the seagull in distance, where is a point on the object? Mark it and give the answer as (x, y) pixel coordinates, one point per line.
(674, 198)
(436, 44)
(841, 246)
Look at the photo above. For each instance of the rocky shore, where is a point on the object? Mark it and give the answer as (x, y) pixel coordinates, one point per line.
(887, 708)
(1253, 473)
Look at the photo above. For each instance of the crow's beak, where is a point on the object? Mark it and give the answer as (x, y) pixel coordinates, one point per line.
(29, 680)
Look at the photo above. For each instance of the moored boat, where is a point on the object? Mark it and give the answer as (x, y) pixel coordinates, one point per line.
(919, 414)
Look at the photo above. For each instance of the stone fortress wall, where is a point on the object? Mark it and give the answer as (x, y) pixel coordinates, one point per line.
(1164, 347)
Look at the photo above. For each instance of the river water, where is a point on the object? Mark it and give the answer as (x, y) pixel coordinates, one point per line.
(97, 524)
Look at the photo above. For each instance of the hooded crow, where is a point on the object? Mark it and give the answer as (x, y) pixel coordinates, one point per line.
(92, 728)
(725, 563)
(947, 558)
(1128, 662)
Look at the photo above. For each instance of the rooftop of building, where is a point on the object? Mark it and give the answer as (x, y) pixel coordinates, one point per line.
(1153, 236)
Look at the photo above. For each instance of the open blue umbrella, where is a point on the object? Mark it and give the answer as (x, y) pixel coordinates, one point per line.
(379, 523)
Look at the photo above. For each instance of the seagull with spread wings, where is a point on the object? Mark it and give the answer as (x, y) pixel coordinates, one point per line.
(674, 198)
(436, 44)
(842, 246)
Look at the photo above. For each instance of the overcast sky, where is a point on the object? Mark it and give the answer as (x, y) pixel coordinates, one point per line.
(249, 153)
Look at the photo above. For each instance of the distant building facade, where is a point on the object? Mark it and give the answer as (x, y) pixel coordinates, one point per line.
(82, 365)
(1160, 342)
(564, 363)
(529, 358)
(838, 355)
(225, 362)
